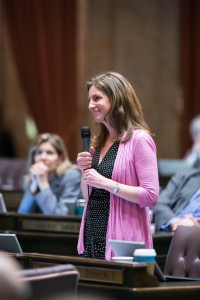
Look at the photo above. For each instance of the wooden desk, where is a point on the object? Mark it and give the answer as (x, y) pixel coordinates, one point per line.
(59, 234)
(112, 280)
(177, 290)
(98, 277)
(42, 233)
(40, 223)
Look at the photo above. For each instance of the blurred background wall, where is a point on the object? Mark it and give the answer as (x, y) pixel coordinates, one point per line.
(49, 48)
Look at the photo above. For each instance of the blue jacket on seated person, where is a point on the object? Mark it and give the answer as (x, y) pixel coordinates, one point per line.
(52, 184)
(53, 200)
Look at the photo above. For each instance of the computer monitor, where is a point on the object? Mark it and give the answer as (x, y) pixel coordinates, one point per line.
(125, 248)
(9, 243)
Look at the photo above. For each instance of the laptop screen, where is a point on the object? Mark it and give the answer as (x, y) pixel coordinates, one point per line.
(125, 248)
(9, 243)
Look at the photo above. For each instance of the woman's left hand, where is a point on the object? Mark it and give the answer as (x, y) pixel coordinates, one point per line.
(93, 178)
(40, 170)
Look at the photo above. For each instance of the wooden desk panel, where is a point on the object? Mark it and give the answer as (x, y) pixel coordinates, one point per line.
(62, 244)
(40, 223)
(111, 280)
(96, 270)
(43, 234)
(176, 290)
(59, 234)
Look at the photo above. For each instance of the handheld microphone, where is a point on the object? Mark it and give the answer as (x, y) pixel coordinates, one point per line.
(85, 134)
(35, 184)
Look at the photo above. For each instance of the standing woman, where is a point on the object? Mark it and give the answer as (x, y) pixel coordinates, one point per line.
(52, 180)
(120, 170)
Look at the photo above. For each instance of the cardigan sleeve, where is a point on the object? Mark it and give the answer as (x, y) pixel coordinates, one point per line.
(146, 170)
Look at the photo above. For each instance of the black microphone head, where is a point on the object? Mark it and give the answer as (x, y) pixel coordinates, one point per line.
(85, 132)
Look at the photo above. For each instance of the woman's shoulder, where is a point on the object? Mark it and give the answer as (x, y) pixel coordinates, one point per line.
(141, 134)
(137, 133)
(141, 139)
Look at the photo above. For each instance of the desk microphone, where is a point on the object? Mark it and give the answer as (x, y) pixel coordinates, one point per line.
(85, 134)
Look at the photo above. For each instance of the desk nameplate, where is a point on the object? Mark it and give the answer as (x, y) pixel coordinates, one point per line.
(101, 275)
(46, 225)
(90, 273)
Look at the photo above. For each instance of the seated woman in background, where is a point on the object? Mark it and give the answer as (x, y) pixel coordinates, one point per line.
(52, 180)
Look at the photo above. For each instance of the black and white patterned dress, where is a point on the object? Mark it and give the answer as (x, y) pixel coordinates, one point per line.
(97, 214)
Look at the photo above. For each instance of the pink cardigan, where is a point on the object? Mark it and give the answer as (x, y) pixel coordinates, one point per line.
(136, 165)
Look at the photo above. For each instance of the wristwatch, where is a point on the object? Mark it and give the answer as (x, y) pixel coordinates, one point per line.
(115, 188)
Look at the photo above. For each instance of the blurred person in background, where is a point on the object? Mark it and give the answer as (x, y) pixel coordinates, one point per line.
(193, 155)
(52, 180)
(179, 202)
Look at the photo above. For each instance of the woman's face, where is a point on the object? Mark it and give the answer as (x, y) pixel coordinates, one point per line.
(99, 105)
(47, 154)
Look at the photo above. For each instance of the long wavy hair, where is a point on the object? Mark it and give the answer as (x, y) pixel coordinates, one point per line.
(125, 114)
(57, 142)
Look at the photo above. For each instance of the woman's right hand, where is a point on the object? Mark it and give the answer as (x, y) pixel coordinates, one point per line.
(84, 159)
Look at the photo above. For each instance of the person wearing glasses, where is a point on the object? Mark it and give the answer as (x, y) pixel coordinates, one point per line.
(52, 181)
